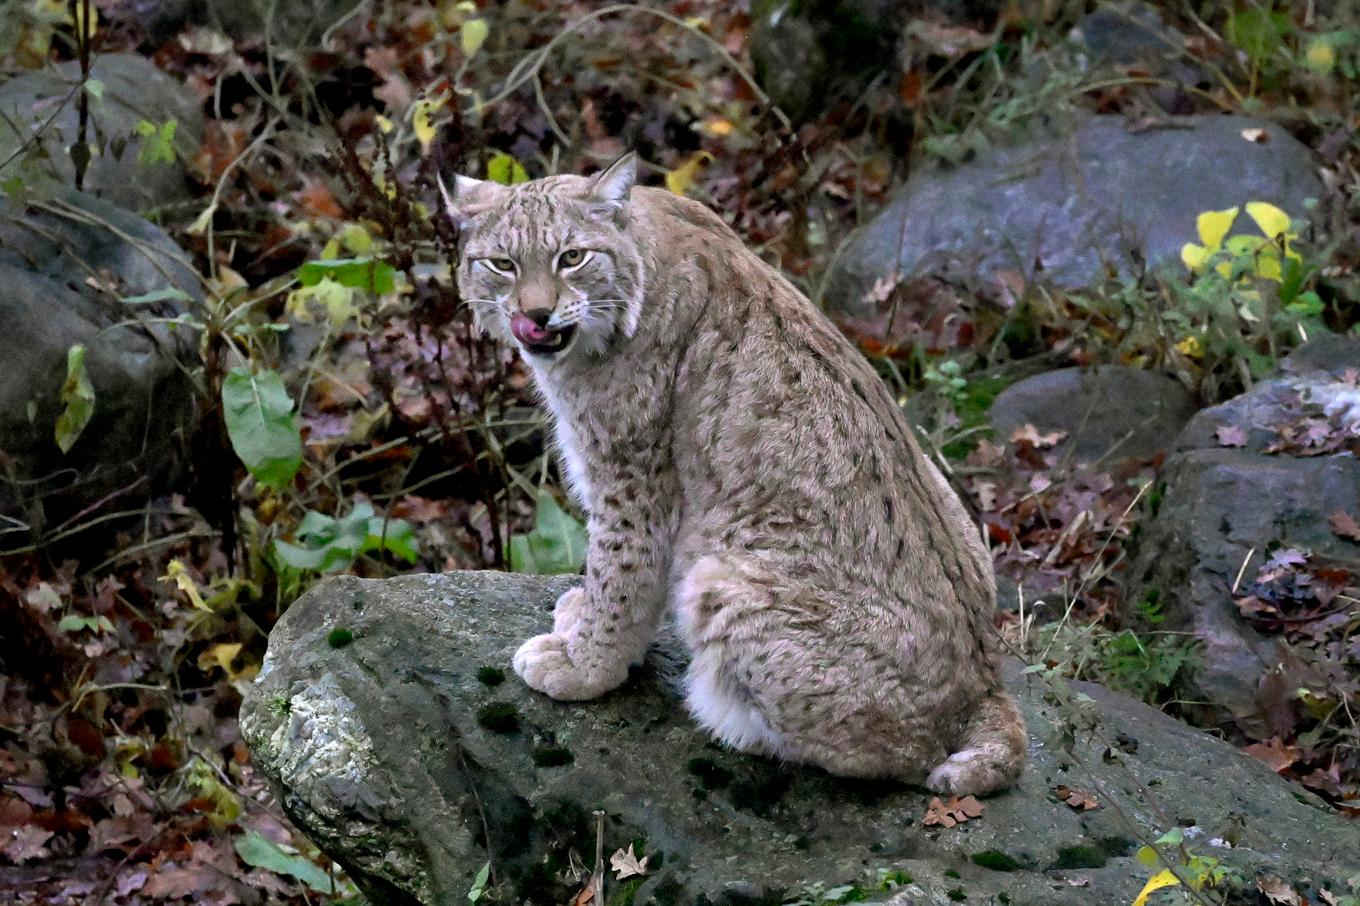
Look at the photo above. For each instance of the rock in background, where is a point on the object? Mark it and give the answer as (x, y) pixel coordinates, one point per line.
(1065, 208)
(64, 265)
(134, 89)
(393, 734)
(1106, 413)
(1258, 474)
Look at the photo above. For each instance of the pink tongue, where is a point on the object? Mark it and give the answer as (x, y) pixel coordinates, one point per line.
(526, 331)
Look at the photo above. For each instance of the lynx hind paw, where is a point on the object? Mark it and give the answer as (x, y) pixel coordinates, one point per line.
(970, 772)
(544, 665)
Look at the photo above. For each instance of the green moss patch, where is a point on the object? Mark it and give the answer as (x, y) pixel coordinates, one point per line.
(1083, 855)
(490, 676)
(339, 637)
(996, 860)
(499, 717)
(552, 756)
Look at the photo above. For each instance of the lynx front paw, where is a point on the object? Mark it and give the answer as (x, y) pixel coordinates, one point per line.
(566, 612)
(544, 665)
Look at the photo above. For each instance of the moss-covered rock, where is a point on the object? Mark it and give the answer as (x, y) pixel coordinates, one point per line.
(380, 757)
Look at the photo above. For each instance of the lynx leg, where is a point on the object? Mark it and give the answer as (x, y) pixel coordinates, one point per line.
(992, 754)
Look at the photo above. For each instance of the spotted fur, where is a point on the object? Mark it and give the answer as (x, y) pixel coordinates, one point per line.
(741, 463)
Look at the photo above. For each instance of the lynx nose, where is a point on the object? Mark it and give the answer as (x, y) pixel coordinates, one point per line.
(539, 316)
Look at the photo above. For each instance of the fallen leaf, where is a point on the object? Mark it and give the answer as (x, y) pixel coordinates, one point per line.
(1231, 436)
(1278, 891)
(955, 811)
(1276, 755)
(1030, 435)
(1163, 878)
(26, 843)
(586, 895)
(1080, 800)
(626, 864)
(682, 177)
(1344, 524)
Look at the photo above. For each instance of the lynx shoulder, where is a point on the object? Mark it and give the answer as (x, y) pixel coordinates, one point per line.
(744, 469)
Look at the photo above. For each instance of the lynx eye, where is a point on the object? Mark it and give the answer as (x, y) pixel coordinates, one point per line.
(571, 257)
(500, 265)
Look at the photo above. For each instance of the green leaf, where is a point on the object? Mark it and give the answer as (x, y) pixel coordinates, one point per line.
(171, 294)
(473, 35)
(158, 142)
(258, 851)
(76, 623)
(396, 536)
(479, 884)
(504, 169)
(556, 545)
(261, 426)
(358, 273)
(327, 544)
(77, 399)
(1258, 32)
(94, 88)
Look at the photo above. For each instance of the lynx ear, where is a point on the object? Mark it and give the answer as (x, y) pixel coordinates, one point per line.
(459, 203)
(613, 184)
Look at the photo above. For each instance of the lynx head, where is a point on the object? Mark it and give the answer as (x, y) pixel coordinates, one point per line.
(550, 265)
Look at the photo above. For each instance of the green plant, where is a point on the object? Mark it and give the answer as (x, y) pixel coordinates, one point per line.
(557, 543)
(1181, 867)
(328, 544)
(1149, 666)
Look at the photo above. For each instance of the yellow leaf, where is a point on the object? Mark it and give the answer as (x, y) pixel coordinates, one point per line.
(326, 295)
(422, 119)
(1190, 347)
(717, 126)
(384, 123)
(473, 35)
(1212, 226)
(220, 655)
(356, 239)
(202, 221)
(1163, 878)
(1268, 265)
(1194, 256)
(176, 572)
(682, 177)
(1320, 56)
(1272, 221)
(79, 17)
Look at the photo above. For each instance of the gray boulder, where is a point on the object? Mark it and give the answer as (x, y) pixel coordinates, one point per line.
(134, 90)
(1109, 413)
(808, 55)
(54, 256)
(1065, 208)
(394, 735)
(1228, 501)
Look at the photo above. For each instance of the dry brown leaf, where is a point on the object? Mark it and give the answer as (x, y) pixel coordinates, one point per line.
(1030, 435)
(586, 895)
(1278, 891)
(1344, 524)
(1081, 800)
(955, 811)
(1231, 436)
(626, 864)
(1276, 755)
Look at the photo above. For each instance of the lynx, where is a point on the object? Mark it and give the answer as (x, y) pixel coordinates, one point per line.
(741, 463)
